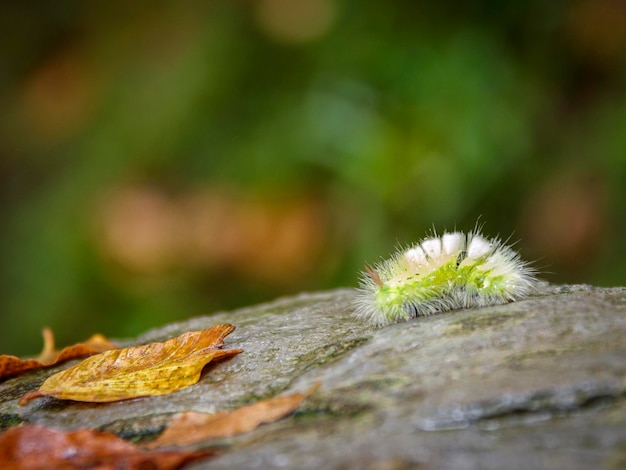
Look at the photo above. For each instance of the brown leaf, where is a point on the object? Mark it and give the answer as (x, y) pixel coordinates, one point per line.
(192, 427)
(11, 366)
(148, 370)
(38, 447)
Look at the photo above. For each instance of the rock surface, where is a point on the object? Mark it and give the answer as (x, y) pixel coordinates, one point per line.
(539, 383)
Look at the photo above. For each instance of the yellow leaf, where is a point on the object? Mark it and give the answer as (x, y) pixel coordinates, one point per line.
(148, 370)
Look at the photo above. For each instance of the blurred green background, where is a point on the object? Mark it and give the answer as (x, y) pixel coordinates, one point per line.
(160, 160)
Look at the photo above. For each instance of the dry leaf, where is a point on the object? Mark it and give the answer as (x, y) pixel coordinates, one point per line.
(11, 366)
(148, 370)
(192, 427)
(37, 447)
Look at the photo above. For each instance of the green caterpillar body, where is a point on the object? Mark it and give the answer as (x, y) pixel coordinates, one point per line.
(453, 271)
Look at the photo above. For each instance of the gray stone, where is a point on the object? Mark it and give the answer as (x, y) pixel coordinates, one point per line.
(538, 383)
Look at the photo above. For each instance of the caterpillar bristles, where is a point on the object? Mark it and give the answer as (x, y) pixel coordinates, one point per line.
(437, 274)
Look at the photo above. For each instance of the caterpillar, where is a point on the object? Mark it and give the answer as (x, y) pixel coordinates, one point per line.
(455, 270)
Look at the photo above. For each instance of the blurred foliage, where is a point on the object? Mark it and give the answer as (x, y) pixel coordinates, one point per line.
(160, 160)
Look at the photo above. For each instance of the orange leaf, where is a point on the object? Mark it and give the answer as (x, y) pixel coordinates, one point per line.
(36, 447)
(151, 369)
(11, 366)
(192, 427)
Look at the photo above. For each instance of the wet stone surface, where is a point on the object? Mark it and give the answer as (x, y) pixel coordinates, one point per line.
(539, 383)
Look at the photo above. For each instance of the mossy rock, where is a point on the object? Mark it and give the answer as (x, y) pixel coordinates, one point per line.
(538, 383)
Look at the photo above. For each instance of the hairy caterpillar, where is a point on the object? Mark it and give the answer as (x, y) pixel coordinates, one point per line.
(456, 270)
